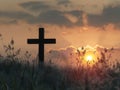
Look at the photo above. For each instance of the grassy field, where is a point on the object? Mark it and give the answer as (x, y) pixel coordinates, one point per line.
(17, 74)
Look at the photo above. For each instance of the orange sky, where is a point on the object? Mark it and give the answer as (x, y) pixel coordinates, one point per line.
(77, 23)
(75, 36)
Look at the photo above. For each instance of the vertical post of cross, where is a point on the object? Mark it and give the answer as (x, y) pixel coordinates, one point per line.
(41, 41)
(41, 45)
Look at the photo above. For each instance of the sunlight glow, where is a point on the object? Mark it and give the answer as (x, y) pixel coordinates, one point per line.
(90, 57)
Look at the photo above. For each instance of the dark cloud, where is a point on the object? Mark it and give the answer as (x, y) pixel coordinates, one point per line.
(8, 21)
(35, 6)
(49, 17)
(52, 17)
(109, 15)
(48, 14)
(56, 17)
(76, 13)
(15, 16)
(64, 2)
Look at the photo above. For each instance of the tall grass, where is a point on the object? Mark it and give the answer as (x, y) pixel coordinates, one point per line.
(17, 74)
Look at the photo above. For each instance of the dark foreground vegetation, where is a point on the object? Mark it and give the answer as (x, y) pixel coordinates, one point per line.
(19, 75)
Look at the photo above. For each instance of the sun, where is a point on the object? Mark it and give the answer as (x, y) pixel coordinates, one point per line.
(90, 57)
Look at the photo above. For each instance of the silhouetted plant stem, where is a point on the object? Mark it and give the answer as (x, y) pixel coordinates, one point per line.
(86, 78)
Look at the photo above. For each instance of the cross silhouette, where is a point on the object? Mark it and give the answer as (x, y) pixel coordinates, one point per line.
(41, 41)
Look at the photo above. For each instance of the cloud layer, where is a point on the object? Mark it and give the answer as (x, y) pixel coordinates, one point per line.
(66, 12)
(70, 56)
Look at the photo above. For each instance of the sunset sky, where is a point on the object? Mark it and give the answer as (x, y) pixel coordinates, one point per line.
(71, 22)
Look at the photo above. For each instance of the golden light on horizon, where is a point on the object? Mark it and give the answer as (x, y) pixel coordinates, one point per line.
(90, 57)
